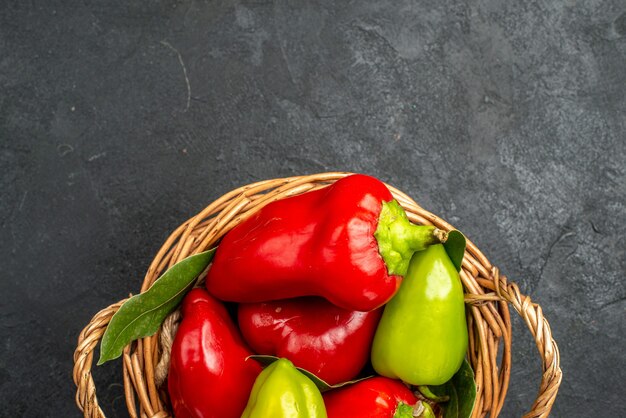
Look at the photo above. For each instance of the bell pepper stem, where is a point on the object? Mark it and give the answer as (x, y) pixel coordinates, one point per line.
(428, 394)
(427, 412)
(404, 411)
(419, 410)
(398, 239)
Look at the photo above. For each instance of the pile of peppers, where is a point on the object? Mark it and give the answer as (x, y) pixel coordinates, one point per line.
(332, 282)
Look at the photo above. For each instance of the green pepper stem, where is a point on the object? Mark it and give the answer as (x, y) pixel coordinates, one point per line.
(427, 412)
(404, 411)
(398, 239)
(428, 394)
(420, 410)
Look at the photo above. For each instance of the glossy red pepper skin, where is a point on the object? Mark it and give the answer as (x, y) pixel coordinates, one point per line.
(209, 375)
(377, 397)
(314, 334)
(318, 243)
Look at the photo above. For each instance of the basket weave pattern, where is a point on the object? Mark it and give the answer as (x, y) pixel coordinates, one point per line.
(487, 296)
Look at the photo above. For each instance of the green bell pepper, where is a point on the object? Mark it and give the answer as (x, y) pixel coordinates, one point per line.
(281, 391)
(422, 335)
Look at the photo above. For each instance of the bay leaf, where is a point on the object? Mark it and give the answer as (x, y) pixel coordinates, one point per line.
(462, 392)
(455, 247)
(141, 315)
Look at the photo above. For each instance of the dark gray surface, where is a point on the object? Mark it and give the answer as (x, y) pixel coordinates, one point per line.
(120, 119)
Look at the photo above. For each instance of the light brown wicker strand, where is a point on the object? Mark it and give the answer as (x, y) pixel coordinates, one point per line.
(206, 228)
(501, 387)
(149, 348)
(493, 320)
(482, 270)
(478, 375)
(491, 307)
(128, 389)
(472, 352)
(505, 365)
(489, 324)
(484, 357)
(140, 385)
(493, 350)
(131, 378)
(179, 249)
(143, 356)
(471, 268)
(128, 369)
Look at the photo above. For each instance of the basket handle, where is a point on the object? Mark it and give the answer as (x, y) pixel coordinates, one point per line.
(540, 329)
(83, 359)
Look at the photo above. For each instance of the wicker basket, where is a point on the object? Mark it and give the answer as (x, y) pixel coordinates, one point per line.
(487, 294)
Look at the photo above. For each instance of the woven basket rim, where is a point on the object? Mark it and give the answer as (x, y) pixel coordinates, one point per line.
(488, 295)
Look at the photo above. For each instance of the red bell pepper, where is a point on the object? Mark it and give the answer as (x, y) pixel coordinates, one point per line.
(349, 242)
(332, 343)
(377, 397)
(209, 375)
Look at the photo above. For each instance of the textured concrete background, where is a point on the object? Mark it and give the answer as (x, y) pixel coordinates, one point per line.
(120, 119)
